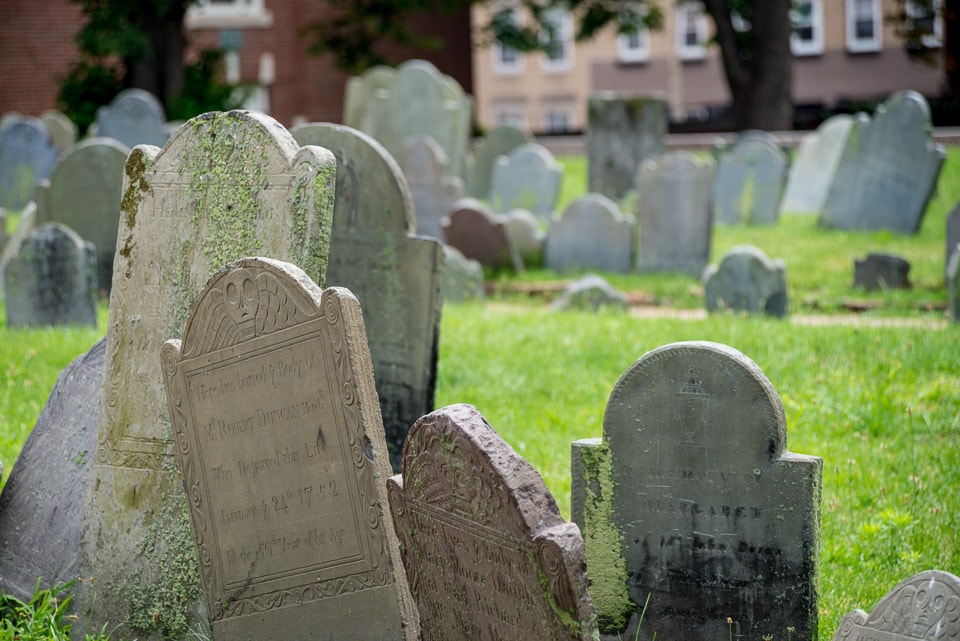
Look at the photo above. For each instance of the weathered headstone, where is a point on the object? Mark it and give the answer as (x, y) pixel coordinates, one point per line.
(481, 235)
(881, 271)
(529, 178)
(395, 274)
(462, 277)
(226, 185)
(922, 608)
(676, 221)
(749, 183)
(888, 170)
(692, 500)
(133, 117)
(432, 188)
(51, 280)
(62, 130)
(746, 280)
(84, 194)
(499, 141)
(27, 156)
(591, 234)
(622, 132)
(815, 165)
(276, 423)
(42, 501)
(487, 553)
(591, 293)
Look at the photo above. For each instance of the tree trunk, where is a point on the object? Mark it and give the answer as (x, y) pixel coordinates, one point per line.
(161, 72)
(951, 47)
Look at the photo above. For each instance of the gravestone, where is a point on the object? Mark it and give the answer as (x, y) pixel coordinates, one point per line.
(888, 170)
(714, 520)
(676, 221)
(622, 132)
(432, 188)
(481, 235)
(953, 284)
(225, 185)
(28, 222)
(275, 416)
(42, 500)
(358, 97)
(591, 293)
(881, 271)
(462, 277)
(815, 165)
(749, 183)
(525, 234)
(528, 178)
(51, 280)
(499, 141)
(924, 607)
(133, 117)
(487, 553)
(952, 233)
(746, 280)
(84, 194)
(395, 274)
(27, 156)
(62, 130)
(591, 234)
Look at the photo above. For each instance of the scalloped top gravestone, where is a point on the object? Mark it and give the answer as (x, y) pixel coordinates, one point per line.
(746, 280)
(592, 233)
(134, 117)
(749, 182)
(815, 166)
(888, 170)
(432, 188)
(718, 523)
(487, 553)
(396, 275)
(275, 417)
(226, 185)
(925, 607)
(499, 141)
(528, 178)
(676, 221)
(27, 156)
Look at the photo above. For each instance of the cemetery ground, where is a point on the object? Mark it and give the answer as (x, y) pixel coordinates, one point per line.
(878, 402)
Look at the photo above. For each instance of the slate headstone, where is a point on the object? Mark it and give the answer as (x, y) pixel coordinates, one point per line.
(749, 183)
(591, 233)
(487, 553)
(746, 280)
(676, 220)
(718, 524)
(499, 141)
(481, 235)
(815, 165)
(42, 500)
(395, 274)
(881, 271)
(888, 170)
(133, 117)
(27, 156)
(432, 188)
(462, 277)
(591, 293)
(622, 132)
(51, 280)
(528, 178)
(275, 415)
(226, 185)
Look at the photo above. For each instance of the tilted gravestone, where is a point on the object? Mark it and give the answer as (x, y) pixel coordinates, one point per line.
(432, 188)
(133, 117)
(676, 221)
(487, 553)
(84, 194)
(499, 141)
(480, 235)
(622, 132)
(27, 156)
(226, 185)
(276, 422)
(51, 280)
(691, 500)
(922, 608)
(529, 178)
(42, 501)
(815, 165)
(881, 271)
(396, 275)
(591, 233)
(746, 280)
(888, 170)
(749, 183)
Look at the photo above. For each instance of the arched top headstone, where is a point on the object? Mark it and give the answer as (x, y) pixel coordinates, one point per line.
(27, 156)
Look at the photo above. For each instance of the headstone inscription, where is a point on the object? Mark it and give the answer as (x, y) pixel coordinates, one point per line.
(591, 233)
(480, 235)
(717, 522)
(749, 182)
(922, 608)
(27, 156)
(225, 185)
(133, 117)
(51, 280)
(487, 553)
(276, 423)
(499, 141)
(42, 500)
(432, 188)
(528, 178)
(395, 274)
(746, 280)
(816, 163)
(888, 170)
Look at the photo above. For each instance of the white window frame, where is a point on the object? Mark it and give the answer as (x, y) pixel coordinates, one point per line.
(860, 45)
(627, 52)
(934, 40)
(510, 112)
(506, 67)
(564, 33)
(814, 46)
(690, 14)
(564, 108)
(228, 14)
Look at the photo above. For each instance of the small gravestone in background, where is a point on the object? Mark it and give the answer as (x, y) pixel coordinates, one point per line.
(922, 608)
(134, 117)
(432, 188)
(462, 277)
(881, 271)
(676, 222)
(591, 293)
(28, 222)
(27, 156)
(41, 503)
(480, 235)
(62, 130)
(953, 284)
(395, 274)
(499, 141)
(952, 234)
(525, 234)
(692, 500)
(487, 553)
(528, 178)
(749, 182)
(275, 415)
(888, 171)
(358, 96)
(815, 165)
(591, 233)
(622, 132)
(746, 280)
(51, 280)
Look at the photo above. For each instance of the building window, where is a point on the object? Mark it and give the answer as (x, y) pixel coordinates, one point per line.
(507, 60)
(557, 118)
(634, 47)
(228, 14)
(863, 25)
(807, 36)
(558, 45)
(925, 19)
(691, 25)
(510, 112)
